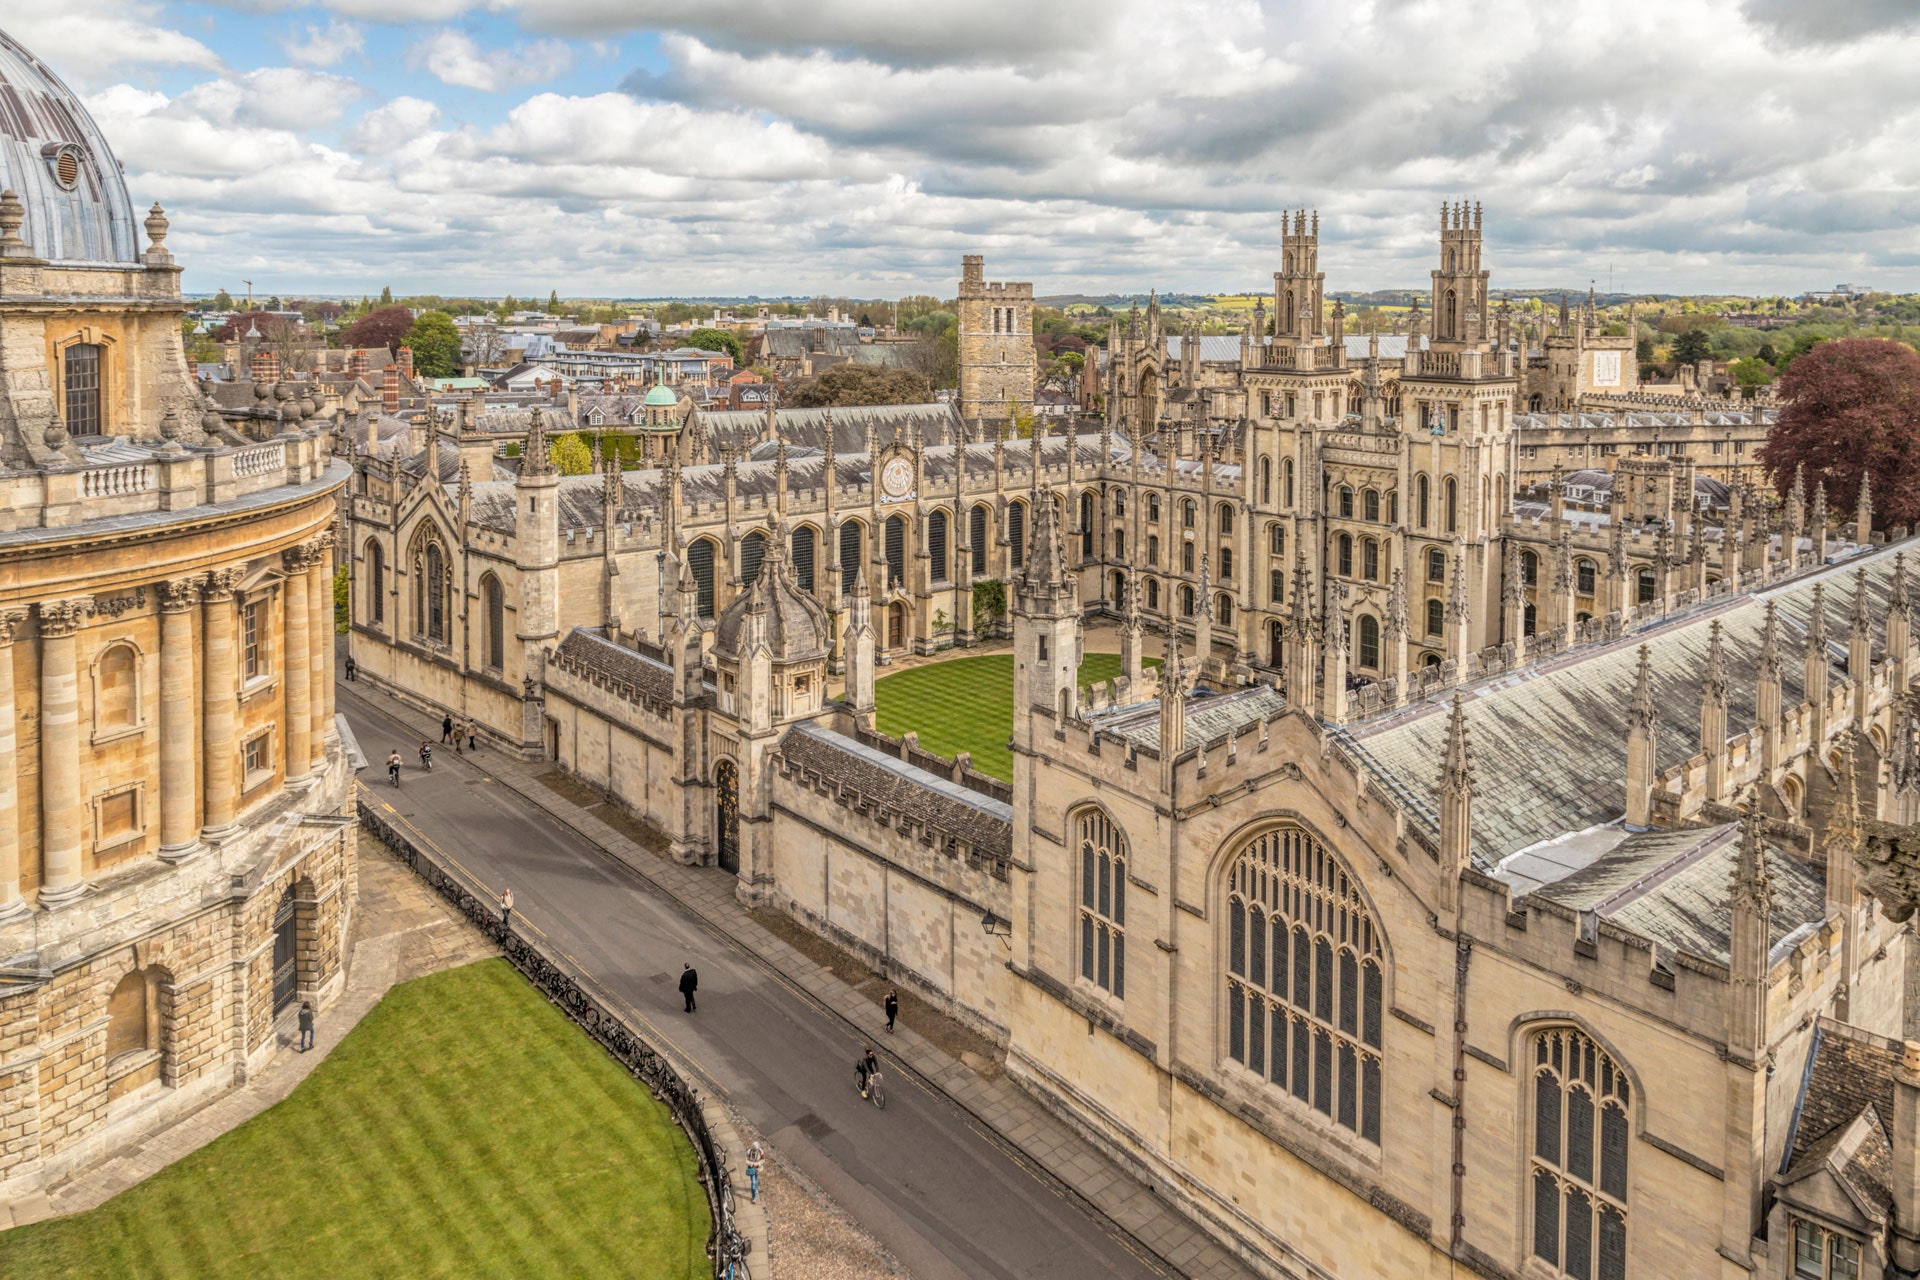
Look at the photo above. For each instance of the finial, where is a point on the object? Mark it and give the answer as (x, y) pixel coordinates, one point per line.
(1456, 770)
(1642, 716)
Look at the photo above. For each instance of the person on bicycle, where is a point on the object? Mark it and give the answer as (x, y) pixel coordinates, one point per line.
(868, 1067)
(393, 767)
(426, 755)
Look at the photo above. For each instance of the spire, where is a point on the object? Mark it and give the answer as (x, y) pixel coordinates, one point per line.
(1456, 768)
(1716, 684)
(1643, 713)
(1752, 883)
(1817, 621)
(1456, 805)
(1897, 594)
(1396, 620)
(1769, 668)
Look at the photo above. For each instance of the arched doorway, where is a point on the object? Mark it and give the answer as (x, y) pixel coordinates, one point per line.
(286, 953)
(896, 625)
(726, 822)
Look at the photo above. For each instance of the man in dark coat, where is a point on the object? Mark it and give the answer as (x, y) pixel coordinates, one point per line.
(689, 982)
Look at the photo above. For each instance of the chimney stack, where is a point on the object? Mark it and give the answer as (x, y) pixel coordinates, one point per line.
(264, 367)
(390, 390)
(404, 358)
(357, 363)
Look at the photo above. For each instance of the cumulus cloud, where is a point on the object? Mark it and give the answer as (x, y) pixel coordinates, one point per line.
(324, 47)
(455, 58)
(106, 39)
(1833, 21)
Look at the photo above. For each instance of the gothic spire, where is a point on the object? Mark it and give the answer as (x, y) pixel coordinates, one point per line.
(1752, 884)
(1817, 619)
(1769, 668)
(1643, 712)
(1716, 684)
(1456, 768)
(536, 458)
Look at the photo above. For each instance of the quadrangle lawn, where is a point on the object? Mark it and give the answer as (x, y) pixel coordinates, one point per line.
(966, 704)
(464, 1128)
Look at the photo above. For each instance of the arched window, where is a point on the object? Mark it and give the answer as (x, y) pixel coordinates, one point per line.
(1306, 978)
(1578, 1159)
(1186, 602)
(430, 594)
(496, 612)
(1436, 565)
(1186, 557)
(1583, 572)
(1421, 494)
(937, 546)
(803, 552)
(1393, 506)
(1645, 582)
(1120, 544)
(896, 535)
(1276, 539)
(753, 553)
(1370, 504)
(1527, 615)
(1529, 568)
(1223, 609)
(1119, 587)
(81, 382)
(1369, 641)
(700, 563)
(1153, 508)
(1016, 534)
(1226, 518)
(1369, 559)
(1153, 549)
(1266, 480)
(376, 582)
(1436, 618)
(1226, 564)
(977, 536)
(850, 554)
(1345, 545)
(1288, 482)
(1453, 506)
(129, 1026)
(1086, 524)
(1346, 501)
(1119, 504)
(1187, 512)
(1103, 903)
(116, 689)
(1153, 594)
(1276, 586)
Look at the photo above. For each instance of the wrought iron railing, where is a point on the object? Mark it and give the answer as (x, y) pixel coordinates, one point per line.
(595, 1015)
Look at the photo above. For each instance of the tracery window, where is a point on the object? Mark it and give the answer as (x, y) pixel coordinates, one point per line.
(895, 531)
(496, 606)
(1436, 617)
(753, 553)
(1103, 903)
(1369, 641)
(1306, 978)
(1819, 1254)
(1583, 576)
(1578, 1162)
(803, 542)
(937, 546)
(977, 537)
(1370, 504)
(850, 566)
(1016, 534)
(1644, 582)
(1346, 501)
(700, 563)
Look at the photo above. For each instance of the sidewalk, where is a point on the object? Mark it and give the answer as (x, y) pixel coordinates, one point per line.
(1018, 1119)
(401, 930)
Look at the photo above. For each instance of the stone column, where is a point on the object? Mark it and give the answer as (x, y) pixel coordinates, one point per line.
(297, 668)
(320, 633)
(62, 824)
(178, 836)
(11, 904)
(218, 673)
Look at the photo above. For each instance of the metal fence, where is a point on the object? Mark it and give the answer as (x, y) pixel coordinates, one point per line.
(595, 1015)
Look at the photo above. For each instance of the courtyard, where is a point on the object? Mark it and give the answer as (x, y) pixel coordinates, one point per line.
(966, 704)
(463, 1128)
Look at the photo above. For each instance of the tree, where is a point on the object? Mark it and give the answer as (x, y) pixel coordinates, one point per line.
(1767, 353)
(484, 345)
(1751, 374)
(1643, 350)
(436, 344)
(1692, 347)
(240, 324)
(383, 327)
(1852, 409)
(716, 340)
(571, 456)
(853, 384)
(386, 297)
(553, 302)
(223, 301)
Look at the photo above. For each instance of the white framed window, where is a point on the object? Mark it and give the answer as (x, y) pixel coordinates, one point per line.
(256, 760)
(1819, 1254)
(254, 655)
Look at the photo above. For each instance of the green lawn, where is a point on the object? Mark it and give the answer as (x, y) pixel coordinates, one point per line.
(464, 1128)
(966, 704)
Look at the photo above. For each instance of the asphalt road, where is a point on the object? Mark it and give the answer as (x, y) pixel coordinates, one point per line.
(923, 1176)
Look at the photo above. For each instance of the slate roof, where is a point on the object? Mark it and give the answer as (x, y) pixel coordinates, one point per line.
(943, 805)
(1209, 716)
(1848, 1070)
(601, 656)
(1608, 421)
(738, 428)
(1550, 742)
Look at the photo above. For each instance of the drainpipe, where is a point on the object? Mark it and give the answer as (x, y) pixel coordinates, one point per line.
(1462, 955)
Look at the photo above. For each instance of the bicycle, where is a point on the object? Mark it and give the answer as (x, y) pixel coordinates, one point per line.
(873, 1092)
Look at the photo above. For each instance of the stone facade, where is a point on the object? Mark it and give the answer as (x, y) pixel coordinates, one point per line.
(997, 361)
(174, 803)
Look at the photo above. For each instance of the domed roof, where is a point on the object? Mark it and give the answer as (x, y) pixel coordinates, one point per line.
(661, 397)
(775, 610)
(56, 159)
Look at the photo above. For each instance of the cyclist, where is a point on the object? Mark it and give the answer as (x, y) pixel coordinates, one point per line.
(393, 767)
(426, 755)
(868, 1067)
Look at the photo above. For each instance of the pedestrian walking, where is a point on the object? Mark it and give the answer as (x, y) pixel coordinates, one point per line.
(353, 668)
(755, 1155)
(306, 1025)
(506, 908)
(689, 983)
(892, 1007)
(446, 729)
(459, 732)
(472, 729)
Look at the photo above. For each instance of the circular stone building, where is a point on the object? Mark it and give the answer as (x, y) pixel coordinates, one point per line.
(176, 869)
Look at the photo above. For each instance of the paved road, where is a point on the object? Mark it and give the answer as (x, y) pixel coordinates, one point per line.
(925, 1178)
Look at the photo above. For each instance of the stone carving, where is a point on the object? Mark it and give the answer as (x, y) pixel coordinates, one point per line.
(114, 606)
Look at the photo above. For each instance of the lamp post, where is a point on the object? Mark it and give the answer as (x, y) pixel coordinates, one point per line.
(995, 927)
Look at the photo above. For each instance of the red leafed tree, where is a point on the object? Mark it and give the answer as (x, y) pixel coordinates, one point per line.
(1852, 409)
(238, 325)
(382, 327)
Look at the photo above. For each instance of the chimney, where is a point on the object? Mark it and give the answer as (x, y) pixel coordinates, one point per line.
(357, 363)
(1906, 1159)
(404, 358)
(264, 367)
(390, 389)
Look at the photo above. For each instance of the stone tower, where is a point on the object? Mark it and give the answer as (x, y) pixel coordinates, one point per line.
(1299, 284)
(1460, 285)
(997, 364)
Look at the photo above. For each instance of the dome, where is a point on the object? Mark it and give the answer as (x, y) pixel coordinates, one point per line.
(793, 624)
(56, 159)
(660, 397)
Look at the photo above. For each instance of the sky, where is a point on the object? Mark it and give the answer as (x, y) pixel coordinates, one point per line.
(639, 148)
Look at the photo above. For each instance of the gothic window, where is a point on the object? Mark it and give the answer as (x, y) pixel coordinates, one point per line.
(850, 566)
(1276, 539)
(1016, 533)
(700, 564)
(496, 612)
(1119, 586)
(1153, 594)
(1393, 506)
(977, 537)
(1186, 602)
(1119, 504)
(1266, 481)
(1276, 586)
(1153, 508)
(1346, 501)
(1103, 904)
(1578, 1165)
(1186, 557)
(1287, 482)
(1345, 545)
(1369, 641)
(1370, 504)
(1584, 575)
(1370, 560)
(753, 553)
(80, 380)
(1223, 609)
(1527, 615)
(1645, 583)
(1819, 1254)
(1086, 525)
(430, 598)
(1226, 564)
(376, 582)
(1306, 978)
(937, 546)
(1226, 518)
(1529, 568)
(1436, 565)
(1436, 618)
(1453, 506)
(1153, 549)
(896, 536)
(803, 549)
(1120, 544)
(1187, 513)
(1420, 496)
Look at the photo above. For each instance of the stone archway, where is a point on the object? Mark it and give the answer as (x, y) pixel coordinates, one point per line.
(286, 952)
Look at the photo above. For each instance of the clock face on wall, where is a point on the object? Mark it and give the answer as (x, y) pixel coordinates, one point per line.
(896, 478)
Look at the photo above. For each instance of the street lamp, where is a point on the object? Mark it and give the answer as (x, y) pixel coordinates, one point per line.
(997, 928)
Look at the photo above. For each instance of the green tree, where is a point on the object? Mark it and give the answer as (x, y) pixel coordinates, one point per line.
(989, 599)
(855, 384)
(1692, 346)
(341, 600)
(553, 302)
(436, 344)
(223, 301)
(386, 297)
(1750, 374)
(1767, 353)
(571, 456)
(716, 340)
(1643, 350)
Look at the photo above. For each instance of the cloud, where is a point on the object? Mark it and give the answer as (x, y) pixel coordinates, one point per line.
(116, 38)
(1833, 21)
(454, 58)
(325, 47)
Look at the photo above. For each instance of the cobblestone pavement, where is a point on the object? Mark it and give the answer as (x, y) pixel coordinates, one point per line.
(400, 930)
(812, 1238)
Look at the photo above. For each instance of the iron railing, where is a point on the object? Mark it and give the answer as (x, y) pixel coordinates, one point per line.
(595, 1015)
